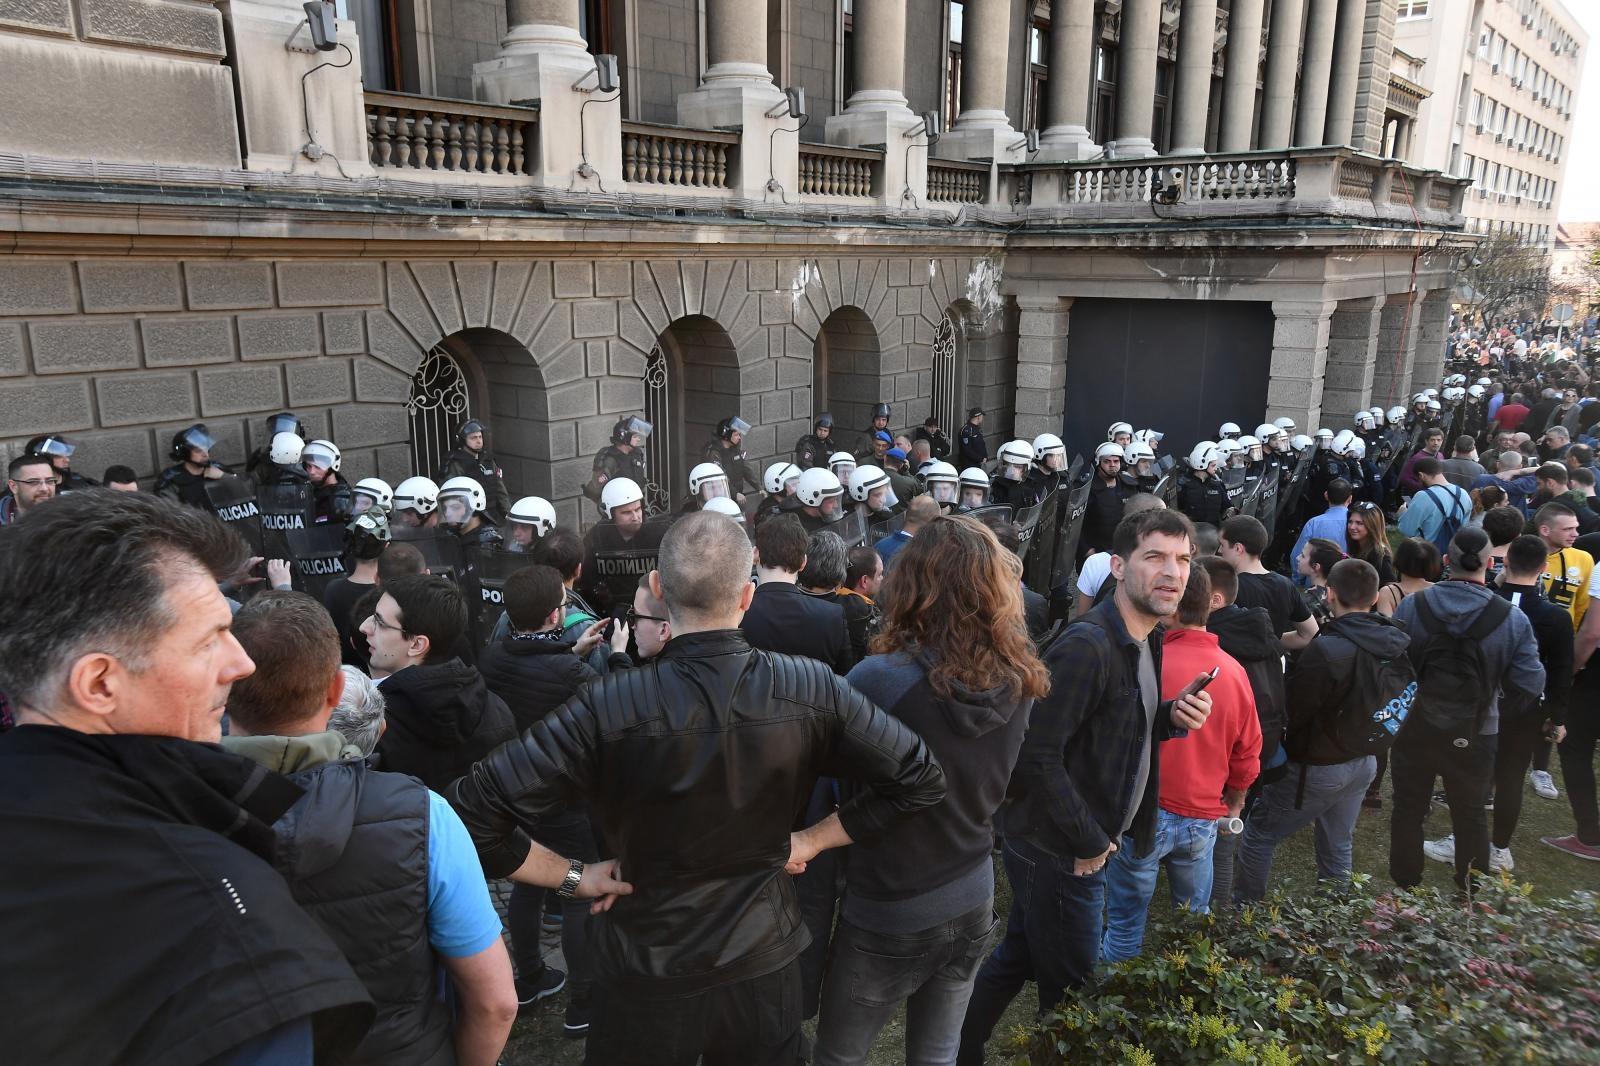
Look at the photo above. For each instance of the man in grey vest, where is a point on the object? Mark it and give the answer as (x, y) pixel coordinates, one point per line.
(381, 863)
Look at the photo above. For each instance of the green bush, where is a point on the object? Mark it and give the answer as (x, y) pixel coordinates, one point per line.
(1351, 977)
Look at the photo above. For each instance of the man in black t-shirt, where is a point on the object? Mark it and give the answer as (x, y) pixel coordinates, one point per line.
(1240, 541)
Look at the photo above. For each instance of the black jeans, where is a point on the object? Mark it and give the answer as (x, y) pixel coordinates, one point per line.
(1514, 753)
(1577, 754)
(749, 1023)
(1421, 754)
(570, 836)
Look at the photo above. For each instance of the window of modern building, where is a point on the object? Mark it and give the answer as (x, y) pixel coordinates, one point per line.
(1412, 9)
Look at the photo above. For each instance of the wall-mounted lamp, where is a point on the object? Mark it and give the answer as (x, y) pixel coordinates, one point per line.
(604, 75)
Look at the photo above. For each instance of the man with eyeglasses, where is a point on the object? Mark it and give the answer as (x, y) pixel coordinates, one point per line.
(32, 480)
(648, 617)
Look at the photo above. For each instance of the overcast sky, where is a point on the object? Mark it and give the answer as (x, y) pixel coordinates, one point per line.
(1580, 200)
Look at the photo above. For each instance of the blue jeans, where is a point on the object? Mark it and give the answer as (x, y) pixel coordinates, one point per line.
(1331, 798)
(1184, 846)
(1052, 938)
(870, 974)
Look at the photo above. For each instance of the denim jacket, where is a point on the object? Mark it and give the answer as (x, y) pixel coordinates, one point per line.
(1073, 782)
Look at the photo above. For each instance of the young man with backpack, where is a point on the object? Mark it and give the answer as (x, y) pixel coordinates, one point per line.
(1546, 722)
(1349, 692)
(1476, 660)
(1438, 509)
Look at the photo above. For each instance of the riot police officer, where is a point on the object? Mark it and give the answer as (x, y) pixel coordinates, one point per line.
(1119, 433)
(1201, 494)
(471, 458)
(463, 510)
(821, 499)
(780, 481)
(285, 455)
(58, 450)
(622, 507)
(373, 492)
(1369, 426)
(707, 481)
(1006, 488)
(728, 452)
(1368, 483)
(843, 464)
(622, 457)
(259, 466)
(1139, 468)
(186, 479)
(879, 424)
(529, 519)
(335, 501)
(971, 447)
(813, 448)
(943, 483)
(416, 502)
(974, 489)
(873, 494)
(1107, 494)
(938, 443)
(1049, 465)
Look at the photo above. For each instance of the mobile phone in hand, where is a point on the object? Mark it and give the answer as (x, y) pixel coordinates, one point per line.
(1198, 685)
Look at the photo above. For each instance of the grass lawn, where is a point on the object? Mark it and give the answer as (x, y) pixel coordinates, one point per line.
(537, 1037)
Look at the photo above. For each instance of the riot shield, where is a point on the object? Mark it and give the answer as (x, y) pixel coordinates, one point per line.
(318, 556)
(619, 571)
(492, 568)
(1068, 531)
(286, 506)
(1039, 553)
(234, 501)
(1267, 500)
(852, 529)
(993, 515)
(441, 550)
(1027, 523)
(1250, 502)
(1167, 489)
(1290, 498)
(888, 527)
(1233, 479)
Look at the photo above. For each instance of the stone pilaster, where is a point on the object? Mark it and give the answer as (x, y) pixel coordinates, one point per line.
(1397, 350)
(1352, 350)
(1433, 333)
(1041, 364)
(1299, 359)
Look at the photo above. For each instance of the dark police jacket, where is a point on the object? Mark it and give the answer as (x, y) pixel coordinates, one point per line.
(694, 765)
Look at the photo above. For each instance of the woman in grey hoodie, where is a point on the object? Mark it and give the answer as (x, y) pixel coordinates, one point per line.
(954, 662)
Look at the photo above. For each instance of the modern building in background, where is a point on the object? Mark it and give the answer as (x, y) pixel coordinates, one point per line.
(1504, 81)
(452, 211)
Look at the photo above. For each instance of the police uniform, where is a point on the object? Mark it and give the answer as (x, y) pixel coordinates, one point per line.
(1202, 501)
(1037, 487)
(176, 483)
(480, 467)
(1101, 515)
(938, 443)
(612, 462)
(811, 450)
(772, 506)
(603, 590)
(971, 447)
(733, 462)
(335, 500)
(1004, 491)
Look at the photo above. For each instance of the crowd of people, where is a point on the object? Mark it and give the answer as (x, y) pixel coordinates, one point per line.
(754, 754)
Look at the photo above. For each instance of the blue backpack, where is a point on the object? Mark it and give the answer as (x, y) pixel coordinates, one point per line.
(1452, 519)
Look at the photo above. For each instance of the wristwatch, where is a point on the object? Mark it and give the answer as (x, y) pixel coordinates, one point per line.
(569, 883)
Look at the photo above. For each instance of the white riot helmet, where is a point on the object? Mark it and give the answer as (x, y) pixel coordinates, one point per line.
(1266, 431)
(323, 453)
(1364, 420)
(1015, 455)
(943, 481)
(1434, 406)
(1226, 449)
(1251, 447)
(1341, 441)
(1138, 452)
(1378, 415)
(286, 449)
(619, 492)
(845, 460)
(533, 511)
(1420, 398)
(1152, 437)
(1119, 427)
(1300, 442)
(724, 505)
(707, 481)
(974, 487)
(417, 494)
(1455, 393)
(1047, 444)
(777, 475)
(868, 479)
(1475, 391)
(1324, 437)
(1357, 448)
(1485, 382)
(459, 499)
(1109, 450)
(1397, 414)
(1286, 424)
(373, 492)
(1228, 431)
(817, 487)
(1432, 394)
(1203, 455)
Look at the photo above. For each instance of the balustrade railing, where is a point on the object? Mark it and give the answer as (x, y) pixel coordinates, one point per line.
(953, 182)
(669, 155)
(421, 133)
(1250, 179)
(1356, 180)
(829, 171)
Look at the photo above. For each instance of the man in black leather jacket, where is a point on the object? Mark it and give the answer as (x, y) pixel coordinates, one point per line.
(694, 766)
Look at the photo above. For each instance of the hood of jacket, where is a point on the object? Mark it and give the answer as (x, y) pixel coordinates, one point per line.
(447, 700)
(1375, 633)
(974, 712)
(287, 755)
(314, 833)
(1457, 603)
(1245, 633)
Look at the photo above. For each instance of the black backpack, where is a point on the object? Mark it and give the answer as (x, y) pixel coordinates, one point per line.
(1449, 521)
(1454, 688)
(1381, 695)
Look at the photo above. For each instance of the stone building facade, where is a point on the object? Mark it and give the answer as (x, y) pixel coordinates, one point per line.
(183, 238)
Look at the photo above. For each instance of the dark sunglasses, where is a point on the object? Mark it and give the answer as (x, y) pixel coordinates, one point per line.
(634, 617)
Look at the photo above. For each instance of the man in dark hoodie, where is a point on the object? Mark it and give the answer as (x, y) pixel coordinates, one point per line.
(383, 864)
(1325, 781)
(442, 717)
(535, 670)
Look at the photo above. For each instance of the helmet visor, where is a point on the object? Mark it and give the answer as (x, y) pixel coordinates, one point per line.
(715, 487)
(196, 437)
(455, 510)
(363, 503)
(284, 423)
(317, 455)
(56, 446)
(943, 491)
(842, 471)
(738, 425)
(972, 496)
(637, 425)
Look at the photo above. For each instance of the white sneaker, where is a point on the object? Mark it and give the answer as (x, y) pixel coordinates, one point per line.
(1499, 859)
(1543, 783)
(1441, 850)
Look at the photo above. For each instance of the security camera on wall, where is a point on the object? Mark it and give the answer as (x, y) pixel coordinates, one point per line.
(324, 29)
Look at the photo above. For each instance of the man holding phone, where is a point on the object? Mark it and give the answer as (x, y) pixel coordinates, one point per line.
(1087, 775)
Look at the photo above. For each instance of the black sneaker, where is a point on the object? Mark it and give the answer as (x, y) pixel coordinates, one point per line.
(548, 982)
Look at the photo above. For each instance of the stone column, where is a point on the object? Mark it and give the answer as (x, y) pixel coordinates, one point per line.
(737, 93)
(1352, 347)
(877, 112)
(1299, 358)
(1197, 32)
(982, 130)
(1136, 79)
(1239, 79)
(541, 56)
(1283, 59)
(1397, 349)
(1433, 333)
(1344, 80)
(1071, 68)
(1315, 70)
(1041, 364)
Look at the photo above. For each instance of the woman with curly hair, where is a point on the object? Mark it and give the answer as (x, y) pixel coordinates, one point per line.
(954, 662)
(1367, 538)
